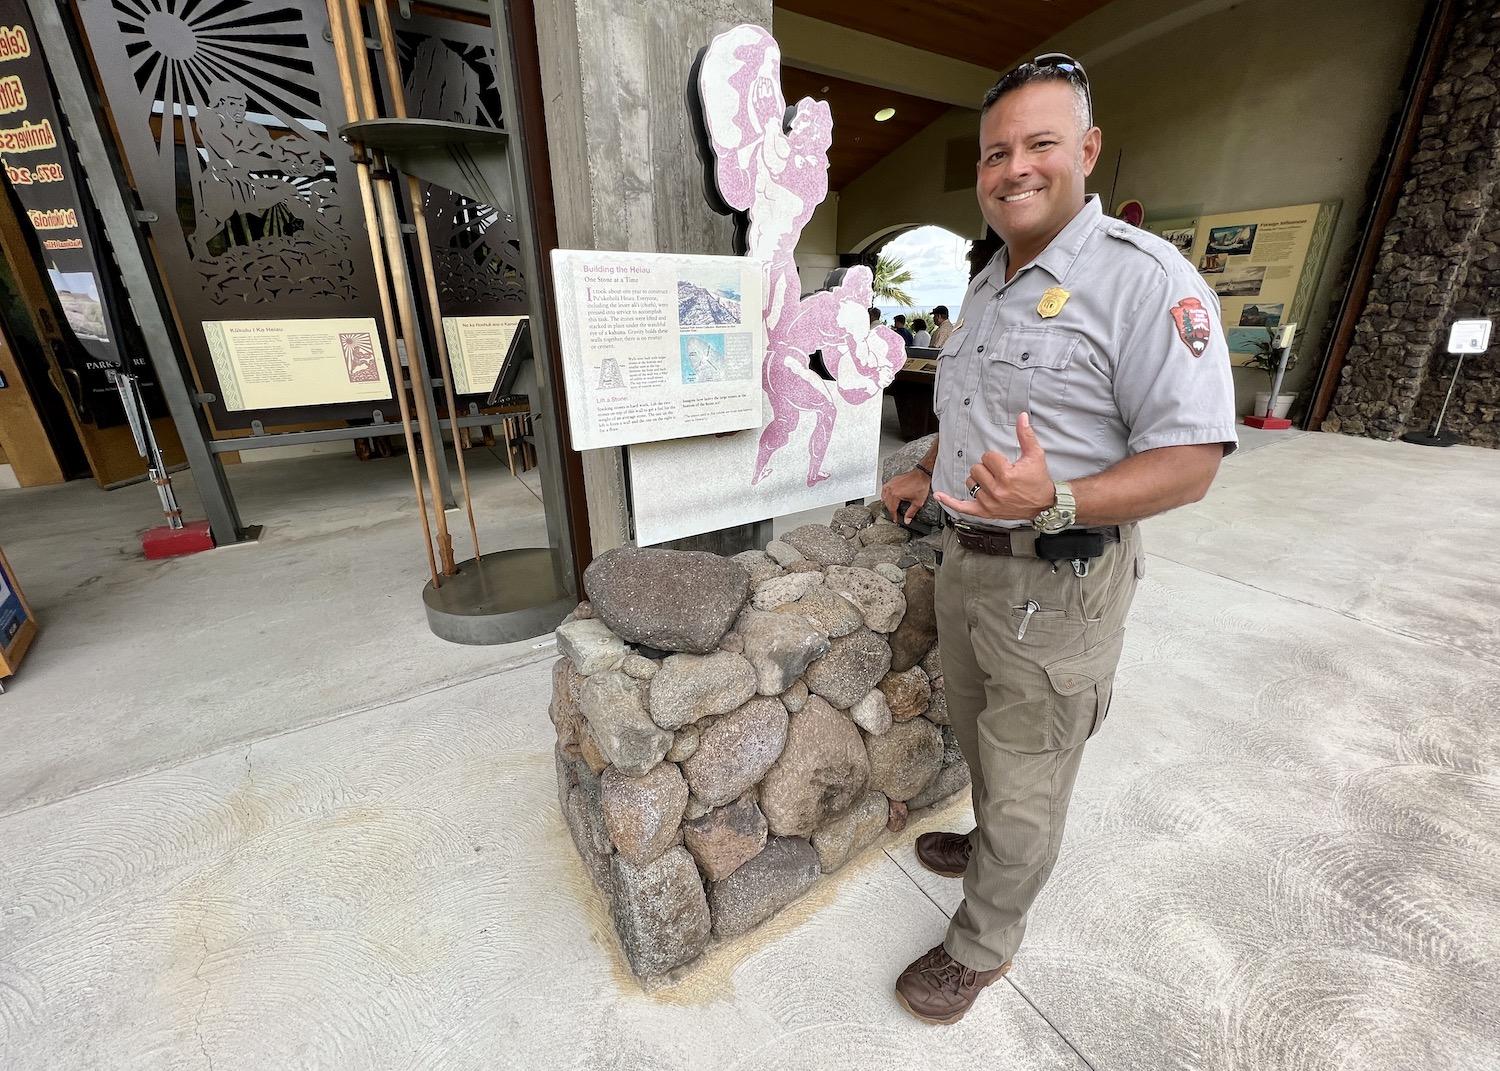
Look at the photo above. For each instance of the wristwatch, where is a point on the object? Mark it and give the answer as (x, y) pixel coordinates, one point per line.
(1059, 515)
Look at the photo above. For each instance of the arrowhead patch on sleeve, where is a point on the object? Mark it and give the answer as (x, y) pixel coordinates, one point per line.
(1193, 324)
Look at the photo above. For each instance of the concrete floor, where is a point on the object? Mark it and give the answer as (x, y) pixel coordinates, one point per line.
(300, 834)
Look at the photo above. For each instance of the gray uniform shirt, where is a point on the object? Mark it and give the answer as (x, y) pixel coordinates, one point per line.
(1136, 359)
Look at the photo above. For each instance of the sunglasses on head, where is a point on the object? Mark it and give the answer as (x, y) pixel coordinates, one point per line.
(1073, 69)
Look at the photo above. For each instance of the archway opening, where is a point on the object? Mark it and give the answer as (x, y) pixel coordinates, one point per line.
(918, 270)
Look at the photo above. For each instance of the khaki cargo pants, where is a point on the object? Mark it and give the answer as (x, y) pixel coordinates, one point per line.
(1022, 707)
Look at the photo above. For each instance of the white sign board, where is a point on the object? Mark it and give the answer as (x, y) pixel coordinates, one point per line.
(659, 345)
(1469, 336)
(476, 348)
(273, 364)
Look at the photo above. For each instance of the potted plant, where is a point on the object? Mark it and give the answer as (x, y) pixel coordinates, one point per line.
(1264, 358)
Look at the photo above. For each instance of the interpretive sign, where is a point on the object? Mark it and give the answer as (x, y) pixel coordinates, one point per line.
(40, 168)
(819, 440)
(659, 345)
(1264, 266)
(272, 364)
(476, 348)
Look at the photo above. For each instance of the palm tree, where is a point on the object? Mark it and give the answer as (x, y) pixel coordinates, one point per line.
(890, 277)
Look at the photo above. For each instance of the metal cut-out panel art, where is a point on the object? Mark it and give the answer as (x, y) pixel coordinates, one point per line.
(819, 443)
(448, 67)
(227, 113)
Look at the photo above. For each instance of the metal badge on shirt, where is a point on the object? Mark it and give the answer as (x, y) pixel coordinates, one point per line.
(1052, 302)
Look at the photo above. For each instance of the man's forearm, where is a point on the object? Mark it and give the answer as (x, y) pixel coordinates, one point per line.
(1147, 484)
(930, 459)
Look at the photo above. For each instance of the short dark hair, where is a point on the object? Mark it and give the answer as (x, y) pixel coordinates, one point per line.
(874, 315)
(919, 324)
(1026, 74)
(900, 318)
(941, 309)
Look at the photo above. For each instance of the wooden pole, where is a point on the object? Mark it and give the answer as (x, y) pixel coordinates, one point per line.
(341, 50)
(432, 439)
(424, 245)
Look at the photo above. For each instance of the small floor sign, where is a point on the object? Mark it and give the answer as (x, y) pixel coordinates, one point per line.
(1469, 336)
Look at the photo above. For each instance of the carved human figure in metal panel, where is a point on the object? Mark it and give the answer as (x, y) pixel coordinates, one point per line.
(773, 166)
(449, 74)
(265, 222)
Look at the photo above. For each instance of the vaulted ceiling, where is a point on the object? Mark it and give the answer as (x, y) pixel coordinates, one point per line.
(988, 33)
(991, 33)
(858, 140)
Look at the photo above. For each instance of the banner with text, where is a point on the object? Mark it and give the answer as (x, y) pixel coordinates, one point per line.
(39, 168)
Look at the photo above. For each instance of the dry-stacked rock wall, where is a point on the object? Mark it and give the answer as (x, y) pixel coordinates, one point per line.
(731, 729)
(1439, 260)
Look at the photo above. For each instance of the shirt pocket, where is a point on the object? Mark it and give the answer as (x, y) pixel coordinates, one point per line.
(1027, 371)
(947, 374)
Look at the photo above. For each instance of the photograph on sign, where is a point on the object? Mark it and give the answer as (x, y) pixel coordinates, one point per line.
(477, 346)
(659, 345)
(1264, 265)
(273, 364)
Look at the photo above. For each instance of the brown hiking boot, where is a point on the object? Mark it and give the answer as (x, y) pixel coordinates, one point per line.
(939, 989)
(944, 853)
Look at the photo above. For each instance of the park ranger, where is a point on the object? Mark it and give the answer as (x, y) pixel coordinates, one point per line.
(1089, 387)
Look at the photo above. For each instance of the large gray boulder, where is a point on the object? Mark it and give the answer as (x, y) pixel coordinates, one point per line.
(759, 564)
(853, 665)
(780, 590)
(689, 687)
(879, 601)
(821, 544)
(591, 646)
(835, 615)
(726, 838)
(904, 760)
(908, 693)
(615, 708)
(877, 554)
(917, 632)
(930, 516)
(838, 841)
(783, 871)
(735, 751)
(779, 647)
(642, 813)
(672, 600)
(885, 532)
(660, 911)
(822, 770)
(578, 791)
(950, 780)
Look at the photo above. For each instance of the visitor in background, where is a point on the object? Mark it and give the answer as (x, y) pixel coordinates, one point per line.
(899, 326)
(943, 327)
(919, 336)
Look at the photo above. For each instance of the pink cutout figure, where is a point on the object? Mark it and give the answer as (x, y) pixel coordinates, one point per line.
(774, 167)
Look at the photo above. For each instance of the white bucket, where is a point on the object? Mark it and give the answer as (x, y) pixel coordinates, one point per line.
(1283, 404)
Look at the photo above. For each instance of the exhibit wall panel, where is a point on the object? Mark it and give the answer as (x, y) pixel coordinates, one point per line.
(227, 117)
(1289, 103)
(1207, 108)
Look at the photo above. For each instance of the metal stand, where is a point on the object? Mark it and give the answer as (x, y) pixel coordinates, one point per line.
(145, 443)
(1437, 436)
(1269, 420)
(510, 594)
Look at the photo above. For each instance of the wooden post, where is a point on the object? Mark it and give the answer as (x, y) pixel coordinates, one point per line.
(432, 439)
(341, 51)
(424, 246)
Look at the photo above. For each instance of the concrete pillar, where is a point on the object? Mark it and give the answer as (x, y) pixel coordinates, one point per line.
(626, 168)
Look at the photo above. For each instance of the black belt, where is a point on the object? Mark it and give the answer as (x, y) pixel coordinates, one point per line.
(1068, 545)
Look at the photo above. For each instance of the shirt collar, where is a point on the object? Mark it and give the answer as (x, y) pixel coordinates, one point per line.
(1060, 253)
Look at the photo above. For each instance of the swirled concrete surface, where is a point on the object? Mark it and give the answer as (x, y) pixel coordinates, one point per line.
(1284, 853)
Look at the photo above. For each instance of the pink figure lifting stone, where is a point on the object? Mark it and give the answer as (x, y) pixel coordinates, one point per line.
(774, 167)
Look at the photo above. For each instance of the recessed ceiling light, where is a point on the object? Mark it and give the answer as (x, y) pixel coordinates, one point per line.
(885, 113)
